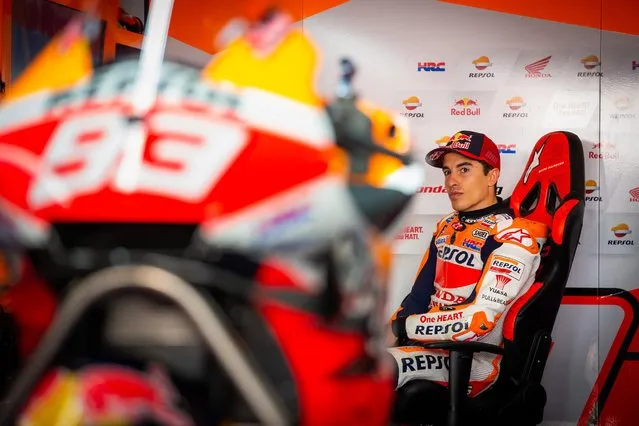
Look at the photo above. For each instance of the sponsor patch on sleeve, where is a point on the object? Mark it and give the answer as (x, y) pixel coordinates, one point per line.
(507, 266)
(441, 240)
(516, 235)
(482, 234)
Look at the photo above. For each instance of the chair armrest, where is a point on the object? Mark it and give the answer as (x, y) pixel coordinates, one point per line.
(464, 347)
(461, 361)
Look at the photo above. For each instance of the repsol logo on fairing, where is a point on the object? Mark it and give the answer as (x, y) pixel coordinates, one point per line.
(461, 257)
(433, 330)
(425, 362)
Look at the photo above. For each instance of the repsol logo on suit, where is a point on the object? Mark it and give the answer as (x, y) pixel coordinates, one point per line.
(431, 330)
(425, 362)
(460, 257)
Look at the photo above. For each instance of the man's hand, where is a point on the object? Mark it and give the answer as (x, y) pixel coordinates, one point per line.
(398, 327)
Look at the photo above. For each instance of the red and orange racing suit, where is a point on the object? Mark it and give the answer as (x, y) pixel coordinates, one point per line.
(477, 264)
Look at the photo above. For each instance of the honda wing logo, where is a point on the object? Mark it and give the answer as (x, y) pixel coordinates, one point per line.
(535, 69)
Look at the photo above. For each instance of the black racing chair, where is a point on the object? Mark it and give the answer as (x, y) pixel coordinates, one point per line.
(552, 191)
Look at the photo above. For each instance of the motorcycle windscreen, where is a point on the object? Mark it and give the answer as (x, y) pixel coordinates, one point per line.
(151, 138)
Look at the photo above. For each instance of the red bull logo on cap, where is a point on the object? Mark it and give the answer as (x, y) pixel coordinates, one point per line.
(443, 140)
(457, 137)
(465, 107)
(459, 141)
(459, 145)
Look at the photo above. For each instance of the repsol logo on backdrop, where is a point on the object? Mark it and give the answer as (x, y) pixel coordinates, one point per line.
(621, 242)
(412, 114)
(437, 329)
(425, 362)
(481, 75)
(458, 256)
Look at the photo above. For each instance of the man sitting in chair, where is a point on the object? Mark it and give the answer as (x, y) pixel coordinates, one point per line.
(480, 260)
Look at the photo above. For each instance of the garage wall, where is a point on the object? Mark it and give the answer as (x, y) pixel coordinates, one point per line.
(589, 86)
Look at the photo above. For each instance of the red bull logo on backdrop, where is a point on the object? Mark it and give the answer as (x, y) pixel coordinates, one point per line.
(534, 70)
(603, 151)
(465, 107)
(412, 105)
(481, 64)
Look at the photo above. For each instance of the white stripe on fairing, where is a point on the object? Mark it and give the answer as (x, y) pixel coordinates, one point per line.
(287, 199)
(30, 163)
(406, 179)
(263, 110)
(20, 157)
(145, 90)
(31, 230)
(331, 211)
(26, 110)
(286, 117)
(144, 93)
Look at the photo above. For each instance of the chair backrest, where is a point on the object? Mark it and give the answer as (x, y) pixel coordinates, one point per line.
(551, 190)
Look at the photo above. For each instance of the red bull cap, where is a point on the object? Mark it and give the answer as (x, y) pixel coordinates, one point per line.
(473, 145)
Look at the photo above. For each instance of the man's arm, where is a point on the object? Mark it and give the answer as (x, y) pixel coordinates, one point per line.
(419, 297)
(508, 271)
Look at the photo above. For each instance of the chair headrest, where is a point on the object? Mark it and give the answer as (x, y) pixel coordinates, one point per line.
(553, 174)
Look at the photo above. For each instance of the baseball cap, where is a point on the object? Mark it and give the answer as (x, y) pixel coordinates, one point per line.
(474, 145)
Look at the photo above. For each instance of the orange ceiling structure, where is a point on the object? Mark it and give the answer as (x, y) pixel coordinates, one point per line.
(609, 15)
(197, 22)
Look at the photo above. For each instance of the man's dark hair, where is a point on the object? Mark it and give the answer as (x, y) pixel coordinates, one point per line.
(487, 167)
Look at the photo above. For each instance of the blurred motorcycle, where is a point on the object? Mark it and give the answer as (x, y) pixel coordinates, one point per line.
(201, 246)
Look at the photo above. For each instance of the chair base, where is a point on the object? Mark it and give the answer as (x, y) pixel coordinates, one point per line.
(424, 403)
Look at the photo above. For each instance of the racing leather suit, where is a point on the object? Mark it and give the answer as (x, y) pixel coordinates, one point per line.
(477, 264)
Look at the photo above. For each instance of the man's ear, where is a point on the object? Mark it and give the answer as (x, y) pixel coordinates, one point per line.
(493, 177)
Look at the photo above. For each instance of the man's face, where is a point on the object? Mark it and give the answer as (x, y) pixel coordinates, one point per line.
(468, 188)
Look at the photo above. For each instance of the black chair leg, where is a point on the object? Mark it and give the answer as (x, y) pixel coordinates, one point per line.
(460, 364)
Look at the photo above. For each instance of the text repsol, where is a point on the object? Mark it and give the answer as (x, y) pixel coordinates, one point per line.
(425, 362)
(506, 265)
(458, 256)
(430, 330)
